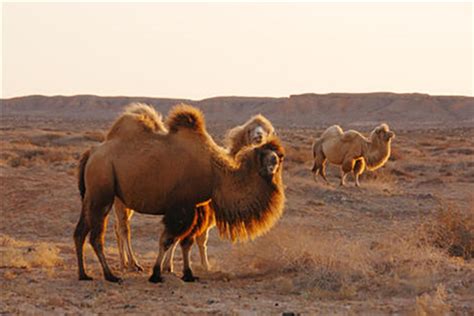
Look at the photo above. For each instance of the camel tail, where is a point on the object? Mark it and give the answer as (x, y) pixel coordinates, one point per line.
(317, 147)
(185, 116)
(81, 169)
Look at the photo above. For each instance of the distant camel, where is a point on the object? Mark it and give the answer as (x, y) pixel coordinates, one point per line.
(352, 151)
(133, 164)
(254, 131)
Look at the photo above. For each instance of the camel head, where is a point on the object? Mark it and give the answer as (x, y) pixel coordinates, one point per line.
(256, 135)
(258, 129)
(382, 134)
(253, 132)
(269, 157)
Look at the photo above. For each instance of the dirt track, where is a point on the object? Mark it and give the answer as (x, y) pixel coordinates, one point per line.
(335, 251)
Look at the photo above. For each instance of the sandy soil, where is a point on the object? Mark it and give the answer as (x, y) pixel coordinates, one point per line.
(367, 250)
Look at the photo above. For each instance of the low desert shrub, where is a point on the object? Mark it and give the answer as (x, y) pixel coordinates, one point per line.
(23, 254)
(452, 231)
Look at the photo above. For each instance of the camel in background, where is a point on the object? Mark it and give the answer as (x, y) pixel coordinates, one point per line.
(352, 151)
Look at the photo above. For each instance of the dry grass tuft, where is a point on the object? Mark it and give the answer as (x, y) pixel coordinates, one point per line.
(95, 136)
(31, 155)
(434, 304)
(20, 254)
(339, 267)
(282, 252)
(452, 231)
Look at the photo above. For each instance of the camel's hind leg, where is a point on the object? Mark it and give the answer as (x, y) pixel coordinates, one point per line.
(123, 234)
(80, 234)
(322, 172)
(186, 245)
(118, 228)
(98, 223)
(359, 168)
(319, 167)
(202, 245)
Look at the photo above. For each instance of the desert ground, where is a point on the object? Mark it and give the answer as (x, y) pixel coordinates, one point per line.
(402, 243)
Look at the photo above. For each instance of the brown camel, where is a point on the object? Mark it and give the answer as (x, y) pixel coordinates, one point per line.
(246, 193)
(254, 131)
(352, 151)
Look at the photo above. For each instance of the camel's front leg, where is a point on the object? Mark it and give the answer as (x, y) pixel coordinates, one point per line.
(347, 166)
(186, 245)
(166, 241)
(359, 168)
(202, 244)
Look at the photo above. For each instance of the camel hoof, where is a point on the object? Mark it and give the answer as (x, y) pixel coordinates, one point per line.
(85, 277)
(114, 279)
(155, 279)
(168, 270)
(136, 268)
(189, 277)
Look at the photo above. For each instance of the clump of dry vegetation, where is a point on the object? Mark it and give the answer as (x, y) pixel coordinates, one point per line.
(40, 148)
(433, 304)
(452, 231)
(22, 254)
(95, 136)
(27, 156)
(340, 267)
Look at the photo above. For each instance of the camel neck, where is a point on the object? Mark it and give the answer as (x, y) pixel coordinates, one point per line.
(245, 204)
(377, 154)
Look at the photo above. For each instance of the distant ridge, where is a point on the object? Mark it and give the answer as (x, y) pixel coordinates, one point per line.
(305, 110)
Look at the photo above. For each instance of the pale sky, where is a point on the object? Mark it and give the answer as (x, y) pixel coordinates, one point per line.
(198, 51)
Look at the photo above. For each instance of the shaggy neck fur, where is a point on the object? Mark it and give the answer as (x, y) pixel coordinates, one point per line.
(246, 205)
(376, 153)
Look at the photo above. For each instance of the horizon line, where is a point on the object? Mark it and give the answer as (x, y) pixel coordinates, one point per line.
(232, 96)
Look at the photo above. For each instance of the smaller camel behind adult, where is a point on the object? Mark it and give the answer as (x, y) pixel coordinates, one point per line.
(352, 151)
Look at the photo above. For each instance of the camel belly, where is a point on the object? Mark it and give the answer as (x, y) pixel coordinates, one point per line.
(334, 152)
(155, 191)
